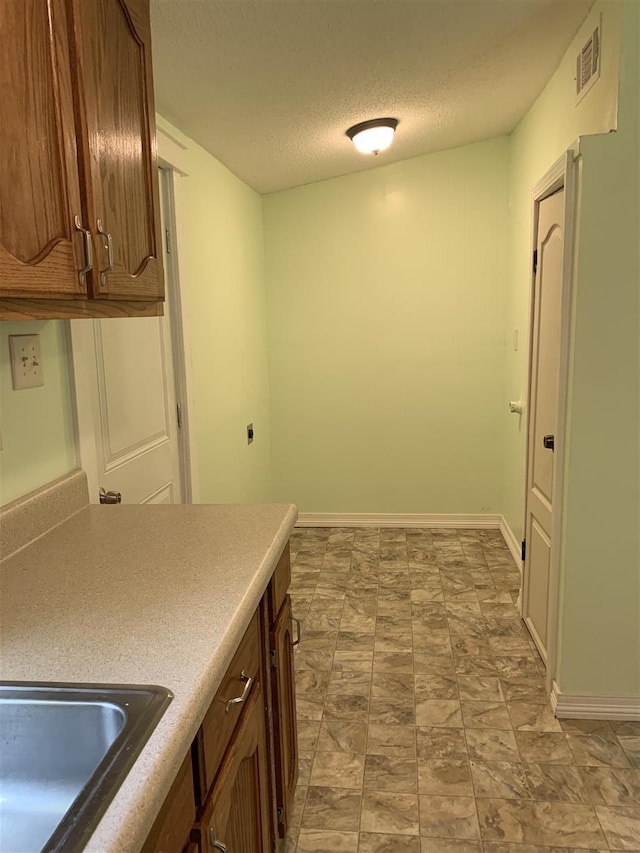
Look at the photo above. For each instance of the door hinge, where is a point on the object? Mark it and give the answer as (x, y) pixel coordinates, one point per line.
(272, 657)
(179, 415)
(535, 261)
(167, 238)
(523, 549)
(280, 815)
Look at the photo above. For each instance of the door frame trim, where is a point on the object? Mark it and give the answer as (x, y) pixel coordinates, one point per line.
(174, 295)
(562, 175)
(82, 388)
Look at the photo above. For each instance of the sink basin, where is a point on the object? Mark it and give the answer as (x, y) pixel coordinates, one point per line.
(65, 749)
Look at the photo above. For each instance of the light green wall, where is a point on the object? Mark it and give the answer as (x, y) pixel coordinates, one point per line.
(221, 259)
(598, 609)
(600, 604)
(386, 323)
(37, 423)
(552, 124)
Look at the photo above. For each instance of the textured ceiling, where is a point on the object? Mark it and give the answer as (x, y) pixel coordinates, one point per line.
(270, 86)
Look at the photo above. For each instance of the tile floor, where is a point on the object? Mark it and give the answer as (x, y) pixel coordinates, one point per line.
(424, 726)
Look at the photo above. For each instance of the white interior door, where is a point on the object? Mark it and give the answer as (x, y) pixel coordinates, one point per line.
(126, 403)
(543, 416)
(137, 450)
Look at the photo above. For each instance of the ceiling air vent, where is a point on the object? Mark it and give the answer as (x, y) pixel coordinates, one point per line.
(588, 64)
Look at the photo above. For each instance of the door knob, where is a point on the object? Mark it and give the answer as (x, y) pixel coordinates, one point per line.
(548, 442)
(110, 497)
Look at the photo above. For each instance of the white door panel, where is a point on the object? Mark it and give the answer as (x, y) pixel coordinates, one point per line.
(547, 353)
(543, 415)
(164, 495)
(539, 545)
(131, 381)
(137, 451)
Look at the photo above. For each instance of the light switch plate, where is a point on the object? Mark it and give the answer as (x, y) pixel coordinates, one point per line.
(26, 361)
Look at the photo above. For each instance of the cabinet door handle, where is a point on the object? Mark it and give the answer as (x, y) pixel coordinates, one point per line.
(88, 250)
(240, 699)
(296, 622)
(214, 843)
(109, 244)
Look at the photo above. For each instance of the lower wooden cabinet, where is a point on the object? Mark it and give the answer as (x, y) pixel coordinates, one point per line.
(235, 817)
(243, 764)
(172, 828)
(224, 713)
(284, 713)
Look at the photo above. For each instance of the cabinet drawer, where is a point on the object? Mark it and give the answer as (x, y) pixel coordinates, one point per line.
(170, 832)
(221, 718)
(279, 585)
(236, 814)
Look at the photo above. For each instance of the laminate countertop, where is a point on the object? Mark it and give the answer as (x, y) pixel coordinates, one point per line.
(140, 595)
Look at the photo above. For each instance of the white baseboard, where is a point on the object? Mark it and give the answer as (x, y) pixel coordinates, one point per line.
(512, 543)
(571, 706)
(392, 519)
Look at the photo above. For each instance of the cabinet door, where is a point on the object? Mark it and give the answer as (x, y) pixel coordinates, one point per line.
(41, 252)
(284, 712)
(118, 150)
(237, 811)
(170, 833)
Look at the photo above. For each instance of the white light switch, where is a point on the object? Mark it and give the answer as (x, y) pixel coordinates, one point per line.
(26, 361)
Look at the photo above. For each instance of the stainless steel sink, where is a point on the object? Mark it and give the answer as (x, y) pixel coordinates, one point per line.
(65, 749)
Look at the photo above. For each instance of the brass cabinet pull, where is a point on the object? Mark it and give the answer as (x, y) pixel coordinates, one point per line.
(296, 622)
(214, 843)
(240, 699)
(88, 250)
(109, 245)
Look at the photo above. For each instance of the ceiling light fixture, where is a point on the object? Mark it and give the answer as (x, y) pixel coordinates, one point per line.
(373, 136)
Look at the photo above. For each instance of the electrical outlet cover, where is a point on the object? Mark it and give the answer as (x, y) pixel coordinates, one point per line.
(26, 361)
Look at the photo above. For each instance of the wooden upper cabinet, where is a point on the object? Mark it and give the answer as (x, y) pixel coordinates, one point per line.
(115, 111)
(41, 253)
(79, 196)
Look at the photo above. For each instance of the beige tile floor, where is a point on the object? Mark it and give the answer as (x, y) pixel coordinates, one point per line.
(424, 724)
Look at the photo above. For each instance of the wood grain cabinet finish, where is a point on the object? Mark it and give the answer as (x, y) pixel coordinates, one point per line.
(224, 712)
(236, 815)
(79, 197)
(41, 252)
(172, 829)
(117, 152)
(284, 713)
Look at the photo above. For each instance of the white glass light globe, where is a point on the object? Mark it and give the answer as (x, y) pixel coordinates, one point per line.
(372, 140)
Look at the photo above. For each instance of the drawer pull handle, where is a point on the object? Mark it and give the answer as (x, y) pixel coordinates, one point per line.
(109, 246)
(88, 250)
(240, 699)
(296, 622)
(214, 843)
